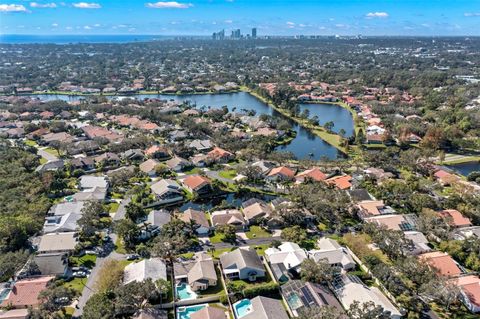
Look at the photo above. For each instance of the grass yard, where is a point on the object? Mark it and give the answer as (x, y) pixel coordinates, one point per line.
(113, 207)
(229, 174)
(43, 160)
(86, 260)
(192, 171)
(216, 238)
(31, 143)
(51, 151)
(119, 247)
(215, 290)
(257, 232)
(76, 284)
(217, 252)
(260, 249)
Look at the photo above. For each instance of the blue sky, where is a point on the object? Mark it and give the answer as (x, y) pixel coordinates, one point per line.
(271, 17)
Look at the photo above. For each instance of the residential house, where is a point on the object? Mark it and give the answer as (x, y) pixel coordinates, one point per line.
(342, 182)
(156, 219)
(151, 313)
(198, 273)
(218, 155)
(314, 174)
(445, 178)
(209, 313)
(301, 295)
(242, 263)
(57, 243)
(197, 184)
(470, 291)
(285, 260)
(25, 293)
(279, 174)
(61, 137)
(153, 268)
(167, 191)
(454, 218)
(442, 263)
(52, 264)
(90, 181)
(83, 163)
(350, 289)
(263, 166)
(370, 208)
(201, 145)
(256, 211)
(330, 251)
(228, 217)
(178, 164)
(405, 222)
(200, 219)
(107, 159)
(157, 152)
(148, 167)
(50, 166)
(265, 308)
(133, 155)
(14, 314)
(419, 242)
(97, 193)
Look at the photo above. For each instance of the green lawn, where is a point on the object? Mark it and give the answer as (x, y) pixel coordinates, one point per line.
(257, 232)
(86, 260)
(217, 252)
(217, 238)
(76, 284)
(113, 207)
(260, 249)
(229, 174)
(43, 160)
(119, 247)
(31, 143)
(194, 170)
(51, 151)
(215, 290)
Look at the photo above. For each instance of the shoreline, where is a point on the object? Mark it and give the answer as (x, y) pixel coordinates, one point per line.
(64, 93)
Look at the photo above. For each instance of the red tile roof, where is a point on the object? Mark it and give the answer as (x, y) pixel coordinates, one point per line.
(25, 292)
(315, 174)
(442, 263)
(341, 182)
(195, 182)
(282, 170)
(455, 218)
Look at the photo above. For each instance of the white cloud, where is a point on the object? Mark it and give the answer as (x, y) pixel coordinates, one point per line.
(96, 25)
(472, 14)
(68, 28)
(54, 25)
(12, 8)
(43, 5)
(377, 15)
(87, 27)
(228, 21)
(168, 5)
(87, 5)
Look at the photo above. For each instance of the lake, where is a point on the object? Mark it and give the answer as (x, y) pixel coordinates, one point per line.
(305, 145)
(465, 168)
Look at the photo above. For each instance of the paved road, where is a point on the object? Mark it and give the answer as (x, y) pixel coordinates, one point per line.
(248, 242)
(46, 155)
(88, 290)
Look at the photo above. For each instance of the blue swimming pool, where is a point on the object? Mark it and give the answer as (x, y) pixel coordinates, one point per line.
(4, 294)
(294, 301)
(184, 292)
(185, 312)
(243, 307)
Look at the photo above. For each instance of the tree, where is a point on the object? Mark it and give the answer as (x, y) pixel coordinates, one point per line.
(99, 306)
(163, 287)
(294, 234)
(366, 310)
(110, 276)
(128, 231)
(329, 126)
(133, 296)
(55, 298)
(228, 232)
(320, 272)
(134, 212)
(89, 223)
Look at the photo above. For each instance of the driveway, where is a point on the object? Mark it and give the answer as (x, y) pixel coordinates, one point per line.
(46, 155)
(120, 214)
(88, 290)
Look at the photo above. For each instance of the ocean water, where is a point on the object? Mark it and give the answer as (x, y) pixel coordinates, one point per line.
(67, 39)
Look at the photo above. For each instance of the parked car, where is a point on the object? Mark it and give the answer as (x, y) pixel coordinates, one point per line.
(80, 274)
(133, 257)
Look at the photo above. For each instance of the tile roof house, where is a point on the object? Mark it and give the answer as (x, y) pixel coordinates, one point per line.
(281, 173)
(199, 273)
(454, 218)
(151, 313)
(314, 174)
(350, 289)
(158, 152)
(370, 208)
(25, 293)
(209, 313)
(256, 211)
(83, 163)
(14, 314)
(218, 155)
(470, 291)
(153, 268)
(394, 222)
(178, 164)
(442, 263)
(228, 217)
(265, 308)
(242, 263)
(340, 182)
(57, 243)
(201, 145)
(197, 184)
(445, 178)
(200, 219)
(167, 191)
(285, 260)
(330, 251)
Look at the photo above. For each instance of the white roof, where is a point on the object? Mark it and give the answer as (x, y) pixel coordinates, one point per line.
(153, 268)
(289, 254)
(90, 181)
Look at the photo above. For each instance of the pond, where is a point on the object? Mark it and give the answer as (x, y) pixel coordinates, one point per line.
(305, 145)
(465, 168)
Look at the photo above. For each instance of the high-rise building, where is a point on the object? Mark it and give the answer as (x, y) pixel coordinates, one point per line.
(254, 33)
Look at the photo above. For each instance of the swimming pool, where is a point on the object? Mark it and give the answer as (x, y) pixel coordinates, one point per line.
(186, 312)
(4, 294)
(243, 307)
(184, 292)
(294, 301)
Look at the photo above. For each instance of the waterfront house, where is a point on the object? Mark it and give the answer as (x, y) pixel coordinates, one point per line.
(228, 217)
(197, 184)
(167, 191)
(242, 263)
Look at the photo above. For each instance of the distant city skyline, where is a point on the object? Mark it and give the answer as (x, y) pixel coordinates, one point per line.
(269, 17)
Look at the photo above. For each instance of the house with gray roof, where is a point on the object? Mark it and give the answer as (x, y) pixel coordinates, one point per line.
(242, 263)
(91, 181)
(200, 219)
(167, 191)
(199, 273)
(177, 164)
(265, 308)
(153, 268)
(330, 251)
(201, 145)
(61, 223)
(285, 260)
(66, 208)
(52, 264)
(96, 193)
(57, 243)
